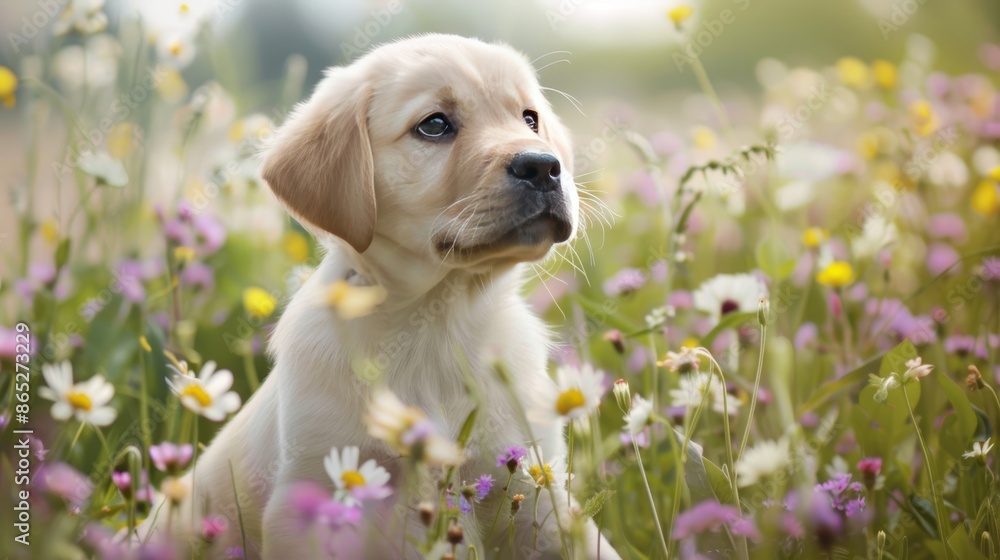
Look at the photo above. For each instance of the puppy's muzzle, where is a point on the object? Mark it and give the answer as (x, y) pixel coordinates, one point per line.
(541, 203)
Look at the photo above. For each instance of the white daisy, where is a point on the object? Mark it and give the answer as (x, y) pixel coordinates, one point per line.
(684, 361)
(729, 293)
(86, 401)
(696, 386)
(542, 473)
(106, 169)
(576, 394)
(176, 49)
(876, 234)
(403, 427)
(638, 416)
(208, 394)
(980, 450)
(351, 480)
(761, 460)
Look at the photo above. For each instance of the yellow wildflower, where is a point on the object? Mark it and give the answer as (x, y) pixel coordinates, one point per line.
(259, 303)
(836, 275)
(814, 237)
(985, 199)
(885, 74)
(680, 14)
(297, 246)
(50, 231)
(922, 117)
(703, 138)
(852, 72)
(8, 85)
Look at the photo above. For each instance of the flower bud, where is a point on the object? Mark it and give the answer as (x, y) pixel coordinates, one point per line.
(455, 535)
(623, 395)
(763, 311)
(426, 510)
(616, 340)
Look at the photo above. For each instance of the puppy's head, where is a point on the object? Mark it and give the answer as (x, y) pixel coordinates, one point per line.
(439, 144)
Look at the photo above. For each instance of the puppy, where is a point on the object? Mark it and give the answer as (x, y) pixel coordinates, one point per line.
(432, 167)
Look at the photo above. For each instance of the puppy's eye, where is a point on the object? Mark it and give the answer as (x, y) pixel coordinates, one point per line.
(435, 126)
(531, 118)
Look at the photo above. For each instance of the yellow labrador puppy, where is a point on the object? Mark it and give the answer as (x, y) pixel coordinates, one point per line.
(432, 167)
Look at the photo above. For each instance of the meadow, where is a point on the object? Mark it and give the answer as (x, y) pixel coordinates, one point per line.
(779, 332)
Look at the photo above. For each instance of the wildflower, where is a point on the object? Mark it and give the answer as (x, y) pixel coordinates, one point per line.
(638, 415)
(986, 198)
(515, 503)
(86, 401)
(884, 73)
(942, 257)
(680, 14)
(176, 49)
(175, 489)
(297, 246)
(814, 237)
(922, 117)
(729, 293)
(483, 486)
(870, 468)
(623, 395)
(83, 16)
(658, 315)
(685, 361)
(710, 515)
(169, 457)
(8, 87)
(354, 483)
(576, 395)
(259, 303)
(352, 302)
(426, 511)
(455, 535)
(876, 233)
(123, 481)
(407, 430)
(65, 482)
(826, 524)
(616, 340)
(212, 526)
(836, 275)
(697, 386)
(948, 225)
(703, 138)
(625, 282)
(975, 379)
(104, 168)
(208, 394)
(512, 457)
(545, 473)
(883, 385)
(311, 505)
(980, 450)
(852, 72)
(916, 370)
(761, 460)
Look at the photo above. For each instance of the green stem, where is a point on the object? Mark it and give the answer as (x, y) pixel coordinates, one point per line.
(929, 463)
(506, 496)
(569, 467)
(756, 389)
(652, 502)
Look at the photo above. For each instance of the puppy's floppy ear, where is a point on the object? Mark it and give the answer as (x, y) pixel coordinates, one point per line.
(320, 161)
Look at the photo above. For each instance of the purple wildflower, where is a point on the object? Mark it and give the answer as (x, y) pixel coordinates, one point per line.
(170, 457)
(484, 485)
(234, 552)
(941, 257)
(626, 281)
(512, 457)
(212, 526)
(704, 516)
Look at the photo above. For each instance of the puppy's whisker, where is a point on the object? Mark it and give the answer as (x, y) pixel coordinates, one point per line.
(547, 290)
(572, 100)
(566, 60)
(550, 54)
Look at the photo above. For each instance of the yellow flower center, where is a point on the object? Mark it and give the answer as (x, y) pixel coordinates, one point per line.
(175, 48)
(569, 400)
(542, 475)
(185, 8)
(352, 479)
(814, 237)
(679, 14)
(197, 393)
(79, 401)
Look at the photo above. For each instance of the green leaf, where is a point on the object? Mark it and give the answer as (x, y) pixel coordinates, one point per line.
(984, 427)
(602, 315)
(729, 321)
(960, 543)
(923, 511)
(466, 431)
(889, 416)
(774, 256)
(596, 502)
(962, 426)
(721, 485)
(62, 253)
(830, 388)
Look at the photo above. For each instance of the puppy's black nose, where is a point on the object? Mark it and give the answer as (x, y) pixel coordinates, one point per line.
(535, 170)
